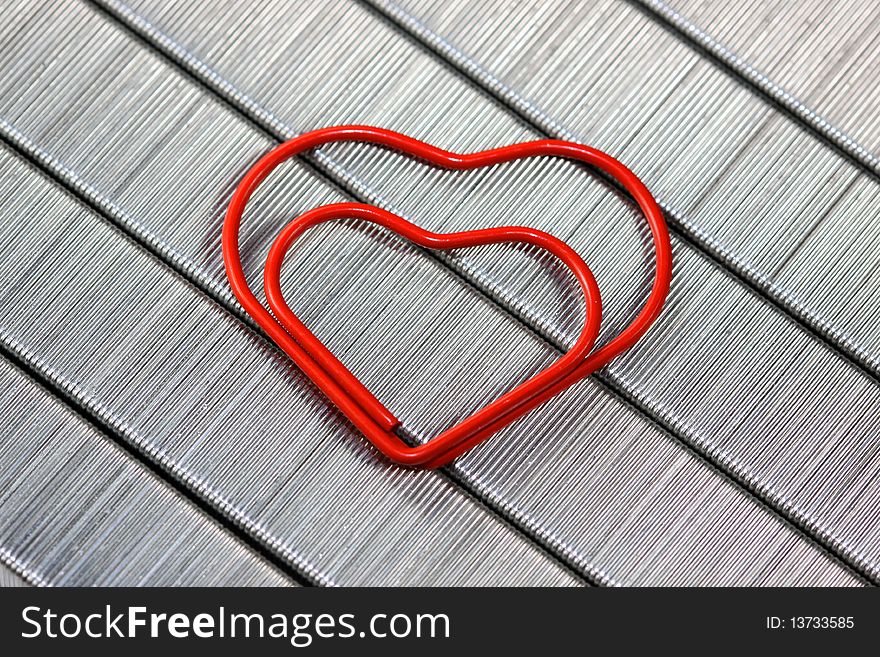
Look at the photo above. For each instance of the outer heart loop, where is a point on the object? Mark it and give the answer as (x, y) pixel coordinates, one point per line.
(366, 412)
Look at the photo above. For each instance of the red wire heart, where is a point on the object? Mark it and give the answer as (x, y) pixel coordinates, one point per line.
(365, 411)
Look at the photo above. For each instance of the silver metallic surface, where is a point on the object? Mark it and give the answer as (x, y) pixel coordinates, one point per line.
(445, 85)
(816, 55)
(76, 510)
(695, 459)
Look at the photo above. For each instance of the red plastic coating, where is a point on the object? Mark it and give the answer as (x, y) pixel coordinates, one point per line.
(364, 410)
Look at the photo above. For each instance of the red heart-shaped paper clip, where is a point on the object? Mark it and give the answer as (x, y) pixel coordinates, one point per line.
(364, 410)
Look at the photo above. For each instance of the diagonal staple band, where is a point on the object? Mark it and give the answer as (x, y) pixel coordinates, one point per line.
(207, 500)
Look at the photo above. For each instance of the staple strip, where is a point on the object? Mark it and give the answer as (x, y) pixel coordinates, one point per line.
(136, 528)
(94, 411)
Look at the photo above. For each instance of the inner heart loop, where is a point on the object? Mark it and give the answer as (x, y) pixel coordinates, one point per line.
(345, 390)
